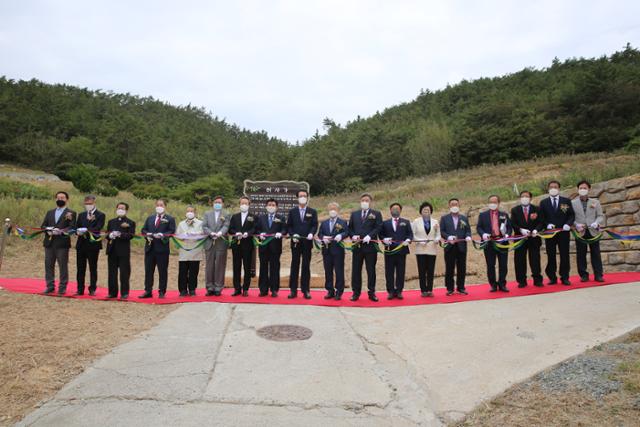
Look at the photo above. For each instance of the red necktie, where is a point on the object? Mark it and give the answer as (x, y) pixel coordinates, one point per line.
(395, 224)
(157, 220)
(526, 213)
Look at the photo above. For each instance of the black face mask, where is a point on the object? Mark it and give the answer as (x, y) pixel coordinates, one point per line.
(60, 203)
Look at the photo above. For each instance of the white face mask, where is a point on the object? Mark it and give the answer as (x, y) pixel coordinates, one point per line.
(554, 192)
(302, 200)
(524, 201)
(159, 210)
(583, 192)
(364, 205)
(121, 212)
(333, 213)
(244, 208)
(454, 209)
(271, 209)
(191, 215)
(493, 206)
(89, 208)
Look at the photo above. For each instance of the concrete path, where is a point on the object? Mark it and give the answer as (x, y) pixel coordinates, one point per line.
(423, 365)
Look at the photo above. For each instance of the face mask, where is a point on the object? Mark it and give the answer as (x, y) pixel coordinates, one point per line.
(524, 201)
(554, 192)
(217, 206)
(454, 209)
(191, 215)
(302, 200)
(60, 203)
(89, 208)
(583, 192)
(333, 213)
(395, 213)
(121, 212)
(244, 208)
(493, 206)
(364, 205)
(271, 209)
(159, 210)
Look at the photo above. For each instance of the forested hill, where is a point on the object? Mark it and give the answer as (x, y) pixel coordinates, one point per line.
(578, 105)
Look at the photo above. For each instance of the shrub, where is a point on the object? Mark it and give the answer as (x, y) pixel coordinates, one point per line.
(84, 177)
(104, 188)
(117, 178)
(22, 190)
(201, 190)
(148, 191)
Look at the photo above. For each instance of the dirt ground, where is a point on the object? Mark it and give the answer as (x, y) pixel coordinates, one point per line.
(600, 387)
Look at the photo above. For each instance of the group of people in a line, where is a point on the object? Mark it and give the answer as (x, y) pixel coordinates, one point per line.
(208, 239)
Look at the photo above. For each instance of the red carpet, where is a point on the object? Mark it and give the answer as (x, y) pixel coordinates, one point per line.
(411, 297)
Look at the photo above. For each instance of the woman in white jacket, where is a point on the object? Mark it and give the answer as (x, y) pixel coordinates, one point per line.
(426, 234)
(189, 231)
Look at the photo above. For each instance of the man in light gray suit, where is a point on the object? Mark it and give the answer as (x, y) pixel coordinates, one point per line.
(589, 219)
(216, 225)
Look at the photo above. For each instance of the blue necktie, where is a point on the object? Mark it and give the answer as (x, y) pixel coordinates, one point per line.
(270, 220)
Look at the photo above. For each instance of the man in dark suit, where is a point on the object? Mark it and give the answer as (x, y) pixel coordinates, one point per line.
(272, 225)
(157, 228)
(242, 228)
(364, 225)
(396, 232)
(494, 225)
(57, 243)
(455, 229)
(332, 231)
(302, 225)
(526, 220)
(558, 213)
(89, 222)
(120, 232)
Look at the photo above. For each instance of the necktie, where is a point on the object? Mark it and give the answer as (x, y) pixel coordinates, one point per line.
(395, 224)
(301, 214)
(157, 220)
(526, 213)
(270, 220)
(364, 215)
(495, 227)
(555, 204)
(331, 225)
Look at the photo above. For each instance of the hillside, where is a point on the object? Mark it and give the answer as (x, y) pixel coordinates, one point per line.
(153, 148)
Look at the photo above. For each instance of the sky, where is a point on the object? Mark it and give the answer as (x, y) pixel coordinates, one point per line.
(283, 66)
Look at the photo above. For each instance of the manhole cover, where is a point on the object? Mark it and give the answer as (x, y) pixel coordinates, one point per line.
(284, 333)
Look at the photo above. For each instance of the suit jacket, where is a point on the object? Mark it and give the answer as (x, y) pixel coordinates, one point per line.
(371, 226)
(463, 231)
(66, 220)
(484, 224)
(249, 227)
(120, 246)
(592, 214)
(167, 226)
(402, 232)
(210, 225)
(279, 225)
(420, 233)
(341, 227)
(535, 221)
(302, 228)
(95, 225)
(563, 215)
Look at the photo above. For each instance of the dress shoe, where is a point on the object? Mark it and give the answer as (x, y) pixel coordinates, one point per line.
(338, 297)
(263, 294)
(47, 291)
(307, 295)
(522, 285)
(78, 294)
(274, 294)
(449, 293)
(538, 284)
(192, 293)
(494, 288)
(62, 291)
(390, 296)
(209, 293)
(112, 296)
(161, 295)
(463, 292)
(504, 289)
(423, 294)
(599, 279)
(217, 293)
(399, 295)
(429, 294)
(92, 293)
(566, 282)
(183, 294)
(373, 297)
(329, 295)
(146, 295)
(552, 282)
(354, 297)
(584, 278)
(236, 293)
(292, 295)
(125, 296)
(245, 293)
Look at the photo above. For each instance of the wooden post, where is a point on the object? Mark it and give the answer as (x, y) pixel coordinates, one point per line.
(6, 228)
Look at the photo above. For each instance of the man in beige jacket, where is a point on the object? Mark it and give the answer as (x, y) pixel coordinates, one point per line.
(589, 220)
(216, 225)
